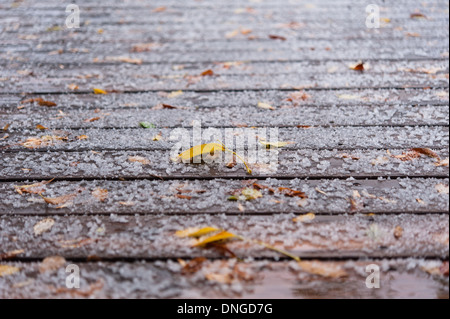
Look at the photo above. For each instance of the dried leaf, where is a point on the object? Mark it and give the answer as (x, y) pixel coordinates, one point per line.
(43, 226)
(421, 202)
(138, 159)
(277, 37)
(100, 194)
(43, 141)
(174, 94)
(6, 270)
(304, 218)
(36, 188)
(51, 264)
(427, 152)
(92, 119)
(358, 66)
(73, 87)
(327, 270)
(224, 235)
(61, 200)
(443, 162)
(275, 144)
(157, 137)
(442, 188)
(320, 191)
(99, 91)
(398, 232)
(127, 203)
(82, 137)
(40, 101)
(193, 266)
(221, 278)
(40, 127)
(417, 15)
(291, 192)
(144, 47)
(207, 73)
(265, 106)
(196, 232)
(247, 194)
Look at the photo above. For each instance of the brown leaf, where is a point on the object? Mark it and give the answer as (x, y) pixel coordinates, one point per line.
(100, 194)
(36, 188)
(427, 152)
(51, 264)
(323, 269)
(193, 266)
(92, 119)
(40, 101)
(41, 127)
(183, 196)
(139, 159)
(417, 15)
(291, 192)
(207, 73)
(11, 254)
(277, 37)
(43, 141)
(61, 200)
(358, 66)
(398, 232)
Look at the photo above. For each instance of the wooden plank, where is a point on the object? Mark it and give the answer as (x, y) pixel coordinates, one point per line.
(126, 77)
(249, 279)
(325, 196)
(287, 164)
(357, 98)
(144, 237)
(230, 117)
(343, 138)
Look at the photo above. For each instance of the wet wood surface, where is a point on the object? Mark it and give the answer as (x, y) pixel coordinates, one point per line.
(111, 198)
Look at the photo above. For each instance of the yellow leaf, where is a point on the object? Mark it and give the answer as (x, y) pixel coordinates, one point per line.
(215, 238)
(204, 149)
(99, 91)
(174, 94)
(41, 127)
(6, 270)
(275, 144)
(265, 106)
(304, 218)
(195, 232)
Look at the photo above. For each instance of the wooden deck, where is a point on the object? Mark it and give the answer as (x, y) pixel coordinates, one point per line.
(375, 200)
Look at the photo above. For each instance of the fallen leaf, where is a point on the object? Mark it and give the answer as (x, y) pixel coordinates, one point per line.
(40, 101)
(92, 119)
(144, 47)
(4, 137)
(291, 192)
(223, 235)
(146, 125)
(159, 9)
(127, 203)
(61, 200)
(275, 144)
(320, 191)
(417, 15)
(398, 232)
(174, 94)
(40, 127)
(100, 194)
(207, 73)
(51, 264)
(304, 218)
(43, 141)
(358, 66)
(6, 270)
(82, 137)
(43, 226)
(138, 159)
(123, 59)
(36, 188)
(443, 162)
(201, 150)
(73, 87)
(193, 266)
(277, 37)
(421, 202)
(195, 232)
(265, 106)
(226, 278)
(441, 188)
(247, 194)
(323, 269)
(157, 137)
(99, 91)
(11, 254)
(427, 152)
